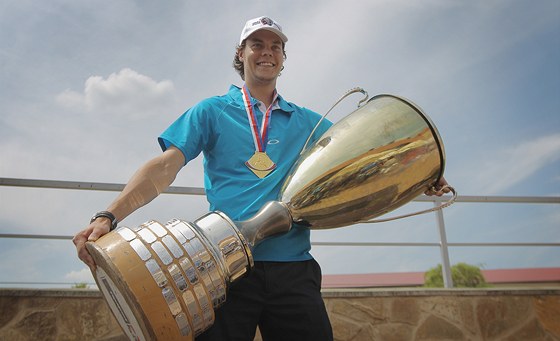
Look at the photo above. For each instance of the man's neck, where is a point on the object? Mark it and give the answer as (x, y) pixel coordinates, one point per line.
(264, 93)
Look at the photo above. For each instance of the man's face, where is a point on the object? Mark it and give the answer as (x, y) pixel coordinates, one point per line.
(262, 57)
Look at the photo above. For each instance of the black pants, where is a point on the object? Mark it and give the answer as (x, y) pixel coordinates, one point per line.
(282, 298)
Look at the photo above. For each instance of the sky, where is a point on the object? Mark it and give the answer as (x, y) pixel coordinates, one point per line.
(86, 87)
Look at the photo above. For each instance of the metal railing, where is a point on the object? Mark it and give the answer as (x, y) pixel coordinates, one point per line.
(443, 244)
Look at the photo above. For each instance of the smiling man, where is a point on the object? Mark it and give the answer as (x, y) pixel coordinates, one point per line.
(250, 138)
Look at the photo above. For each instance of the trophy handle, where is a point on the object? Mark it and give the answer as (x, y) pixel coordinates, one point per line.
(442, 206)
(348, 93)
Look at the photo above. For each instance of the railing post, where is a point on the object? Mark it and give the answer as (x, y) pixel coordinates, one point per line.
(445, 264)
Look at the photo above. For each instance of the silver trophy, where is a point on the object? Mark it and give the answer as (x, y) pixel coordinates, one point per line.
(163, 282)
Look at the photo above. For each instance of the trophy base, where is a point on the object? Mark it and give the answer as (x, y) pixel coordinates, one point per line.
(163, 282)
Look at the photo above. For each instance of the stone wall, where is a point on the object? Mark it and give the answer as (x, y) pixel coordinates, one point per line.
(56, 315)
(445, 314)
(374, 314)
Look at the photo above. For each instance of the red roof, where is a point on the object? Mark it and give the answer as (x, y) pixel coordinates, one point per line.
(522, 275)
(406, 279)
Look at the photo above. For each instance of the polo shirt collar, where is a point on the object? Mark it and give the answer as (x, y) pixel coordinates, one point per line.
(236, 95)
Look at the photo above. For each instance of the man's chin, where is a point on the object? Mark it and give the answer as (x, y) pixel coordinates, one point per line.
(267, 78)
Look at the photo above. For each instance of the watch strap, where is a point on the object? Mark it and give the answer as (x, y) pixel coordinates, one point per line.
(108, 215)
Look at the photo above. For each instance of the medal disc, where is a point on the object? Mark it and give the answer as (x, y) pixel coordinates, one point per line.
(260, 164)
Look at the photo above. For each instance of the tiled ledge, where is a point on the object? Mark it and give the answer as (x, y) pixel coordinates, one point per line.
(327, 293)
(419, 292)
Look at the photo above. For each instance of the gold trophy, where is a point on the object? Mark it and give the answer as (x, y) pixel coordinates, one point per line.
(163, 282)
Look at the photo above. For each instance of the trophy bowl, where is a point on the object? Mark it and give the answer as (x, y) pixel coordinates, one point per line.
(371, 162)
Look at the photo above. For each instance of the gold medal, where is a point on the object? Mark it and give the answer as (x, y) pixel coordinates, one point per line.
(260, 164)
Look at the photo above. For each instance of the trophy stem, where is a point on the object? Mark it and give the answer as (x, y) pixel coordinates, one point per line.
(272, 219)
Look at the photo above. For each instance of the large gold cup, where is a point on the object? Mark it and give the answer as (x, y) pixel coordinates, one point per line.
(163, 282)
(373, 161)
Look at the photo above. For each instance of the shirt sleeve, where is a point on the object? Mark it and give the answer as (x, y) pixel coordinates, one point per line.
(190, 133)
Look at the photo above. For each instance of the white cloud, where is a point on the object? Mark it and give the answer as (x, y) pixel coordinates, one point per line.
(126, 93)
(513, 165)
(71, 99)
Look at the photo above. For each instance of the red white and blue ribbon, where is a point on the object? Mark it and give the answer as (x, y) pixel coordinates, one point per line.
(259, 138)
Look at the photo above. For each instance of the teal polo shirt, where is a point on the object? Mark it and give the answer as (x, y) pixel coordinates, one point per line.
(219, 128)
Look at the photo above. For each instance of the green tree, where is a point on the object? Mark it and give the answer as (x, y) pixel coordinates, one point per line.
(462, 274)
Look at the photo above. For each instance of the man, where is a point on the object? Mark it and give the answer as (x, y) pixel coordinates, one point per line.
(244, 168)
(250, 138)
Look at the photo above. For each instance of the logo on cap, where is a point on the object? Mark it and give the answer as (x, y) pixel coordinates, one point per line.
(267, 21)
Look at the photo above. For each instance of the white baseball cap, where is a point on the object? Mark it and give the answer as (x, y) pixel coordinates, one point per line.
(261, 23)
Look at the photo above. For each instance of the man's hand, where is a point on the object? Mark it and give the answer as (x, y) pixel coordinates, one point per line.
(96, 229)
(439, 189)
(147, 183)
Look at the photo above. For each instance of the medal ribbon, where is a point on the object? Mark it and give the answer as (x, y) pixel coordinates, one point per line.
(261, 138)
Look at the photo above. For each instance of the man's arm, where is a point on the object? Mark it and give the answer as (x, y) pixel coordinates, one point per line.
(146, 184)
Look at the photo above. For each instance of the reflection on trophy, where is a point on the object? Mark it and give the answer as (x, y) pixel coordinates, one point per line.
(163, 282)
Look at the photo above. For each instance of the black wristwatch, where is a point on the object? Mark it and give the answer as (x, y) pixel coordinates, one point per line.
(108, 215)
